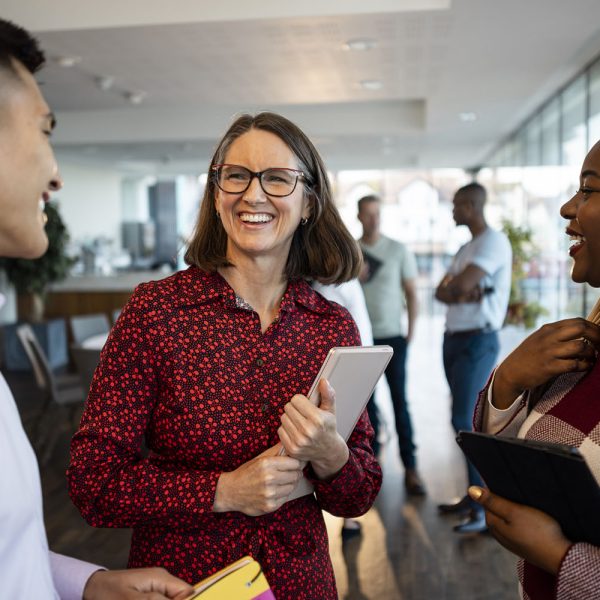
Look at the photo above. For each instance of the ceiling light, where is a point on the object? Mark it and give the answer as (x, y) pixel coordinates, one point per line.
(67, 61)
(104, 82)
(467, 117)
(371, 84)
(136, 97)
(360, 44)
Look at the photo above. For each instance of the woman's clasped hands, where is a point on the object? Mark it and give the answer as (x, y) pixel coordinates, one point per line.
(308, 433)
(259, 486)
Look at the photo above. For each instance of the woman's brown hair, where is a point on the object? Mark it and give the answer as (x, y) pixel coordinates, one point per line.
(321, 249)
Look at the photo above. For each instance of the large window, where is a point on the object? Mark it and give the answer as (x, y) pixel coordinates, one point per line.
(535, 171)
(594, 122)
(574, 126)
(550, 117)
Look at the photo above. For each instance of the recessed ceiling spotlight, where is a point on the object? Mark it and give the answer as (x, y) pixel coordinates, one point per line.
(371, 84)
(67, 61)
(104, 82)
(360, 44)
(136, 97)
(467, 117)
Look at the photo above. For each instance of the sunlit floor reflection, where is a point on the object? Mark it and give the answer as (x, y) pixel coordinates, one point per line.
(406, 551)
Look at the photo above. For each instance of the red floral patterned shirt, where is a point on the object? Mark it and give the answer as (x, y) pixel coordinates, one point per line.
(187, 368)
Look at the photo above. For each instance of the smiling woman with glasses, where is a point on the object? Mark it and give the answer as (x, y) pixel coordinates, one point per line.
(211, 368)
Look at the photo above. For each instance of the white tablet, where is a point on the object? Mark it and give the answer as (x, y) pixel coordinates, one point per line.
(353, 372)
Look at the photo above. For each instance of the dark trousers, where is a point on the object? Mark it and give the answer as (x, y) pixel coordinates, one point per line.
(468, 362)
(373, 413)
(395, 374)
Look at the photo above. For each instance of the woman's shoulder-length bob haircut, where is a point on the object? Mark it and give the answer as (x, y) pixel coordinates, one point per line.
(321, 249)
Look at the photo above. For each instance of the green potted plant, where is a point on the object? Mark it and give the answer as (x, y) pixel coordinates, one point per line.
(519, 311)
(31, 278)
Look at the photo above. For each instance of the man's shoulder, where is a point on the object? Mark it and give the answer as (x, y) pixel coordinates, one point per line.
(390, 245)
(496, 234)
(498, 238)
(490, 250)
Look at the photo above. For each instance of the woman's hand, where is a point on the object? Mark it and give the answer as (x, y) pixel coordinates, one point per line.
(556, 348)
(525, 531)
(259, 486)
(309, 433)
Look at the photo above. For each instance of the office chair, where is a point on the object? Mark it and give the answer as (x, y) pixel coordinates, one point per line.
(60, 392)
(115, 314)
(86, 326)
(86, 360)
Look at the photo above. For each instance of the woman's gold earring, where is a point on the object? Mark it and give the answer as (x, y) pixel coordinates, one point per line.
(303, 221)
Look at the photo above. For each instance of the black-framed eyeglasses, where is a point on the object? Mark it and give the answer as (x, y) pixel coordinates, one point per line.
(235, 179)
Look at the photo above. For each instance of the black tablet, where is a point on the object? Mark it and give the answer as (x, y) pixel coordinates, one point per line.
(550, 477)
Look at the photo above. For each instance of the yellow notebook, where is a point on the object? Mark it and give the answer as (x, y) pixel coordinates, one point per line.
(241, 580)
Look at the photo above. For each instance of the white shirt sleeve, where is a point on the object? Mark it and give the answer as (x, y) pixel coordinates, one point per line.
(351, 297)
(70, 575)
(409, 265)
(496, 419)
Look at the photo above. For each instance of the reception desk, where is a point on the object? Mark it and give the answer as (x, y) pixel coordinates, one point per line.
(89, 294)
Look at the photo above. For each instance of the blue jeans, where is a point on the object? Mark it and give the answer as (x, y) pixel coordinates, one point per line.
(395, 373)
(468, 362)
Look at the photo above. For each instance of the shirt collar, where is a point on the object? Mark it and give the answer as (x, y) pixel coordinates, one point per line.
(214, 286)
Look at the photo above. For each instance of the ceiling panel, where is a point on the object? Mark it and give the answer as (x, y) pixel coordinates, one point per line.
(196, 64)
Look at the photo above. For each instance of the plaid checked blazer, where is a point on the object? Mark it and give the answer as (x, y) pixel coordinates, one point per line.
(568, 412)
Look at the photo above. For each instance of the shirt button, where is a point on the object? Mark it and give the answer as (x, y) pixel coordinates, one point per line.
(260, 362)
(265, 407)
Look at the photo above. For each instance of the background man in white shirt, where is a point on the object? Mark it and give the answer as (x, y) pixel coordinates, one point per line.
(476, 290)
(28, 173)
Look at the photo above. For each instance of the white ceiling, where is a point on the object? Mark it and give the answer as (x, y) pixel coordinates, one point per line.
(199, 63)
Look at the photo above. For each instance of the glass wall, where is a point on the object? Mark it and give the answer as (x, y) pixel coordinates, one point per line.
(536, 170)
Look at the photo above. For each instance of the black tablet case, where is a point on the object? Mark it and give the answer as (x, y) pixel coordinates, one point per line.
(550, 477)
(374, 264)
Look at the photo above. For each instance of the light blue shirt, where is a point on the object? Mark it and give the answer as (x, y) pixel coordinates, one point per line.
(384, 292)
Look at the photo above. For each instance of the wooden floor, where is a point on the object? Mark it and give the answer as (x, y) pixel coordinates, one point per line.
(406, 551)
